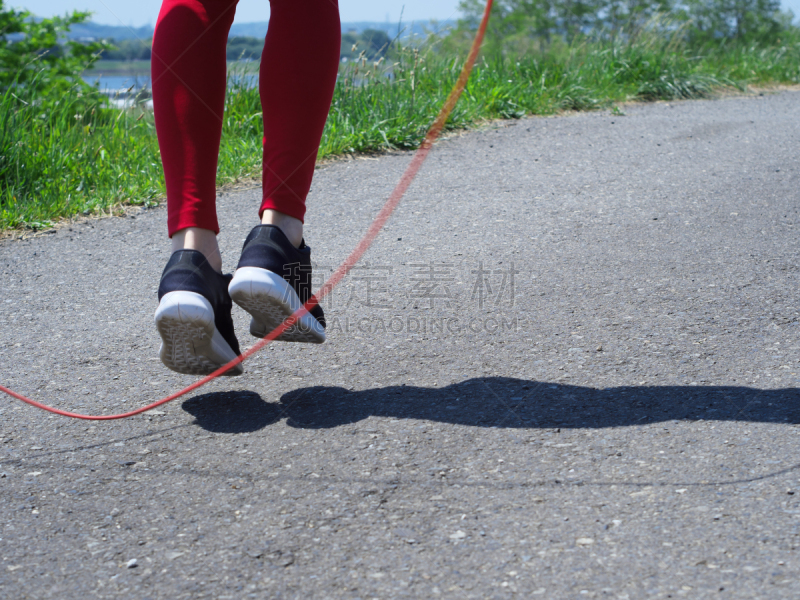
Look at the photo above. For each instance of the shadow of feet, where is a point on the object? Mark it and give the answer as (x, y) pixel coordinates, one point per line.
(232, 412)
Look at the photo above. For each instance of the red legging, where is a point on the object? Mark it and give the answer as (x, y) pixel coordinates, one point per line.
(296, 81)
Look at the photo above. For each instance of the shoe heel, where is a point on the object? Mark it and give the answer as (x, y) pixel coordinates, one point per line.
(190, 342)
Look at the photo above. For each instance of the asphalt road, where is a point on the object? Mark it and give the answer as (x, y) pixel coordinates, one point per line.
(567, 369)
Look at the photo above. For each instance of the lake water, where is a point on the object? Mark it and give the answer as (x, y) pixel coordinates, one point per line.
(114, 83)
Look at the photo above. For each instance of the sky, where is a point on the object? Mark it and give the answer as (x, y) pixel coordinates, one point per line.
(144, 12)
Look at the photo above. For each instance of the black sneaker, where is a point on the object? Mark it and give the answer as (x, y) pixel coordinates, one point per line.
(272, 281)
(194, 316)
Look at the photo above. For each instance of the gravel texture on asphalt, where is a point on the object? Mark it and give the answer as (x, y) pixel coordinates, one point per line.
(568, 368)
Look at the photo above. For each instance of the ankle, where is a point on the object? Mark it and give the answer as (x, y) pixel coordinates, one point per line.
(202, 240)
(292, 228)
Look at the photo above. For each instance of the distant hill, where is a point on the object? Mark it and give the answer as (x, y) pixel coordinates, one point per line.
(90, 30)
(259, 30)
(95, 31)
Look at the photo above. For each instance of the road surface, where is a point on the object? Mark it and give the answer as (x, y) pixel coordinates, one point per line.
(568, 368)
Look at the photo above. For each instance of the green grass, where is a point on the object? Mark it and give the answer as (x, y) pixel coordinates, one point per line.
(61, 158)
(64, 157)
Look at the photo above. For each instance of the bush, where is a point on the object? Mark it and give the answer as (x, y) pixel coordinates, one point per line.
(32, 57)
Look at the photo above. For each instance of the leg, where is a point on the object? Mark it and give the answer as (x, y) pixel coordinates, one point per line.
(202, 240)
(189, 73)
(189, 78)
(298, 74)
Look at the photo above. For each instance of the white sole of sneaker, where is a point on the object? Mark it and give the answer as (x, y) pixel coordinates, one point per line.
(270, 300)
(190, 342)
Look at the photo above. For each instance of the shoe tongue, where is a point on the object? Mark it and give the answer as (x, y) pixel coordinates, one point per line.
(302, 245)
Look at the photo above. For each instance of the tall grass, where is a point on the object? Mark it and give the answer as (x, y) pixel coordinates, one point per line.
(66, 156)
(73, 154)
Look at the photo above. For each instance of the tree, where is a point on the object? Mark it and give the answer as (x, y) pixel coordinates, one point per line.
(31, 55)
(132, 49)
(523, 25)
(376, 42)
(629, 17)
(246, 48)
(511, 18)
(743, 20)
(526, 23)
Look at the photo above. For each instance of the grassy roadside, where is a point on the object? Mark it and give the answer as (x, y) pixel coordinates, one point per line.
(73, 156)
